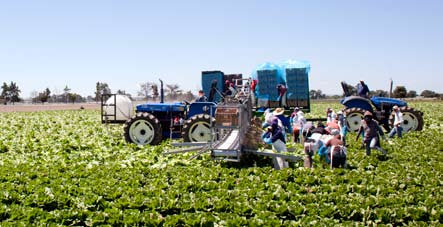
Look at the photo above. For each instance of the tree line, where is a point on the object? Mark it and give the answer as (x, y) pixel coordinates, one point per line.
(150, 91)
(10, 94)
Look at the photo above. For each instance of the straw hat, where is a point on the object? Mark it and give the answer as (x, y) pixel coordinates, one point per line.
(279, 111)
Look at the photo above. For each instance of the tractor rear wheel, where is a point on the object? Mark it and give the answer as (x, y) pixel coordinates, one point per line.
(198, 128)
(353, 118)
(412, 119)
(142, 129)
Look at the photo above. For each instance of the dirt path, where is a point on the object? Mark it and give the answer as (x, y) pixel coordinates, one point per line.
(46, 107)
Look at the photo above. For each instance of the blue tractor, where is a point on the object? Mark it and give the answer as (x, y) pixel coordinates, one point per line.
(153, 122)
(381, 108)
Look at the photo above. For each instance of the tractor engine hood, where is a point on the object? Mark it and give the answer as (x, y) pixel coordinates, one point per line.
(161, 107)
(379, 100)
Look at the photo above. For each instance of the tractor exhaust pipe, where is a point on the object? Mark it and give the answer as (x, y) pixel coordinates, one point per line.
(162, 93)
(390, 87)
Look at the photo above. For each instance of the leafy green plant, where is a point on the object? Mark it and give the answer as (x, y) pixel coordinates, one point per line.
(65, 168)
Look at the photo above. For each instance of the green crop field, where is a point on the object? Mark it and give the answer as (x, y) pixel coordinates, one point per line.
(63, 168)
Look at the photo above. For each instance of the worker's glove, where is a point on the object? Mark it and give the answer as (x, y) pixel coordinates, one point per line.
(268, 140)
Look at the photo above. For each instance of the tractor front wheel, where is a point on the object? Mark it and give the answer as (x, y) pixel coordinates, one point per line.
(412, 119)
(353, 118)
(142, 129)
(198, 128)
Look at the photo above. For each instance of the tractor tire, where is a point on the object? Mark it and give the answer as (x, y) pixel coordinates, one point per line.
(198, 128)
(412, 119)
(353, 118)
(142, 129)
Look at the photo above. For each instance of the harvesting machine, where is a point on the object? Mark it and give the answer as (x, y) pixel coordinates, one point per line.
(222, 125)
(382, 110)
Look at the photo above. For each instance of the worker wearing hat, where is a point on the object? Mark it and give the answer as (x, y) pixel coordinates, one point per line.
(372, 131)
(279, 113)
(275, 136)
(398, 121)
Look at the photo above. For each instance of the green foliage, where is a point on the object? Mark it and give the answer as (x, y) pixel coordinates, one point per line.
(65, 168)
(10, 93)
(400, 92)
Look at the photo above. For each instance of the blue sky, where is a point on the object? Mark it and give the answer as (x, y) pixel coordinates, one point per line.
(52, 43)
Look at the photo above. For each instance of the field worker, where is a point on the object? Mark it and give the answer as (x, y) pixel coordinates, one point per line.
(201, 97)
(294, 113)
(275, 136)
(297, 121)
(398, 120)
(362, 89)
(372, 131)
(268, 118)
(227, 82)
(336, 147)
(320, 129)
(253, 92)
(279, 113)
(341, 120)
(232, 89)
(332, 124)
(330, 115)
(281, 89)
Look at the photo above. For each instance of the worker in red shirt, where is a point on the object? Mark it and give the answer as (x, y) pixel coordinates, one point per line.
(253, 93)
(282, 95)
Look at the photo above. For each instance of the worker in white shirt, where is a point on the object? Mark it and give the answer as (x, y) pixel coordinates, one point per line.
(398, 120)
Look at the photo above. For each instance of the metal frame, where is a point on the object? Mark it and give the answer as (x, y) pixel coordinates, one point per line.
(105, 117)
(234, 152)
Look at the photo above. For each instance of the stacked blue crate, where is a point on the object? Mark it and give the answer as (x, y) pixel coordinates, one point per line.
(267, 83)
(297, 79)
(207, 78)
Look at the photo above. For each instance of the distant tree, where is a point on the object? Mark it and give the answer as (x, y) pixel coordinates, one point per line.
(66, 92)
(72, 97)
(44, 96)
(173, 90)
(188, 96)
(155, 93)
(10, 93)
(400, 92)
(313, 94)
(429, 94)
(411, 94)
(66, 89)
(14, 92)
(145, 89)
(333, 96)
(316, 94)
(5, 93)
(379, 93)
(101, 89)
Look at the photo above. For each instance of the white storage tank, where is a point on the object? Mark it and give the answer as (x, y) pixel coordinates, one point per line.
(123, 109)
